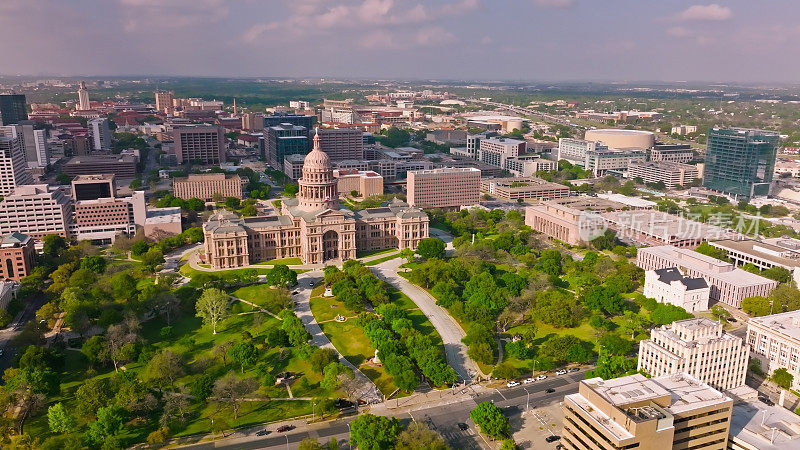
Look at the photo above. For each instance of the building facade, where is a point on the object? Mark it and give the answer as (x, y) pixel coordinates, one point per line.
(775, 341)
(698, 347)
(523, 188)
(17, 254)
(443, 188)
(13, 109)
(206, 186)
(365, 182)
(36, 211)
(100, 134)
(122, 166)
(342, 143)
(602, 161)
(669, 412)
(83, 98)
(670, 286)
(203, 144)
(312, 226)
(285, 139)
(671, 174)
(528, 165)
(164, 101)
(678, 153)
(740, 162)
(573, 220)
(728, 284)
(13, 168)
(575, 150)
(495, 150)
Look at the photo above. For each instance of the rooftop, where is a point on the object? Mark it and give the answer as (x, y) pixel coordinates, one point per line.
(635, 202)
(787, 323)
(671, 274)
(713, 267)
(665, 226)
(776, 254)
(163, 215)
(765, 427)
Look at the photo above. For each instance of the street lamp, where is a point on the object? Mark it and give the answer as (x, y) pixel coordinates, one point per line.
(348, 433)
(534, 368)
(287, 441)
(527, 399)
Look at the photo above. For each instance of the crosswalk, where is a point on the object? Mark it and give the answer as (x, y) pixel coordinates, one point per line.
(461, 439)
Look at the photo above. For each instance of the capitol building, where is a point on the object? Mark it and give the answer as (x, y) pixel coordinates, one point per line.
(313, 226)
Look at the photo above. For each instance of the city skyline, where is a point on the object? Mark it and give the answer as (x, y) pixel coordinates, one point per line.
(568, 40)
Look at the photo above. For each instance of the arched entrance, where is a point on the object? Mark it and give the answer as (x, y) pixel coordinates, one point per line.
(330, 245)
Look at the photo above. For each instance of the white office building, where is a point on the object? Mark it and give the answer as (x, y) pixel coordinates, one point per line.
(575, 150)
(775, 342)
(100, 134)
(670, 286)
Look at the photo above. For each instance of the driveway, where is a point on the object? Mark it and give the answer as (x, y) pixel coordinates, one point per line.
(450, 331)
(367, 391)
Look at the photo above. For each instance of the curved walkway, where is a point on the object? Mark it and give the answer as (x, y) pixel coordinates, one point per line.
(367, 391)
(450, 331)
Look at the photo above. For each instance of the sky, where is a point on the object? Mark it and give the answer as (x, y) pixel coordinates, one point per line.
(539, 40)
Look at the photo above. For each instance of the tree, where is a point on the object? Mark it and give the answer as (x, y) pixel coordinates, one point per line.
(334, 374)
(123, 286)
(665, 314)
(294, 328)
(322, 357)
(91, 395)
(120, 340)
(291, 189)
(232, 390)
(164, 368)
(490, 419)
(159, 436)
(407, 254)
(59, 420)
(709, 250)
(371, 432)
(431, 248)
(609, 366)
(310, 443)
(110, 422)
(281, 275)
(53, 245)
(232, 202)
(212, 307)
(756, 306)
(779, 274)
(782, 378)
(94, 263)
(615, 345)
(244, 353)
(138, 248)
(719, 312)
(153, 258)
(418, 436)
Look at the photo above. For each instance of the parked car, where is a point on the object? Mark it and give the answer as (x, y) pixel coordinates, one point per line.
(512, 383)
(541, 377)
(574, 369)
(550, 390)
(284, 428)
(552, 438)
(731, 319)
(561, 372)
(528, 380)
(263, 432)
(463, 427)
(310, 284)
(295, 292)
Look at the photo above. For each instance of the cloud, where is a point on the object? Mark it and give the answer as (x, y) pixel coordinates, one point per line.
(712, 12)
(679, 32)
(554, 3)
(143, 15)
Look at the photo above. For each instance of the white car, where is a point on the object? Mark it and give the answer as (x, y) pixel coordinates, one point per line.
(512, 384)
(528, 380)
(541, 377)
(561, 372)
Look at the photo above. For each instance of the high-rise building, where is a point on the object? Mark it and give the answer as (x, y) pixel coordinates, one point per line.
(495, 150)
(36, 211)
(203, 144)
(33, 142)
(342, 143)
(669, 412)
(698, 347)
(253, 122)
(164, 100)
(444, 188)
(122, 165)
(93, 187)
(100, 134)
(285, 139)
(295, 119)
(13, 169)
(670, 173)
(740, 162)
(12, 109)
(83, 97)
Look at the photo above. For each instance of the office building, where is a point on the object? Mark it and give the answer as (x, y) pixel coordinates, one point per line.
(300, 120)
(162, 222)
(447, 187)
(93, 187)
(36, 211)
(13, 109)
(670, 286)
(764, 254)
(342, 143)
(17, 254)
(447, 137)
(600, 162)
(83, 98)
(293, 165)
(103, 219)
(728, 284)
(253, 122)
(100, 134)
(574, 220)
(775, 341)
(13, 168)
(8, 291)
(740, 162)
(683, 129)
(677, 153)
(758, 426)
(201, 144)
(575, 150)
(495, 150)
(658, 228)
(207, 186)
(312, 226)
(122, 165)
(671, 174)
(528, 165)
(698, 347)
(33, 142)
(523, 188)
(164, 101)
(365, 183)
(282, 140)
(668, 412)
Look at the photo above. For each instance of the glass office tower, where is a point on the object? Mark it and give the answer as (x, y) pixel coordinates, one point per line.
(740, 162)
(12, 109)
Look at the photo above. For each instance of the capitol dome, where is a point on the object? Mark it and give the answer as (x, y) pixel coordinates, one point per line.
(317, 160)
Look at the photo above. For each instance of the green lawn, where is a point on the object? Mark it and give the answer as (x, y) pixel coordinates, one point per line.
(327, 308)
(250, 413)
(350, 340)
(384, 259)
(187, 271)
(262, 295)
(367, 253)
(286, 261)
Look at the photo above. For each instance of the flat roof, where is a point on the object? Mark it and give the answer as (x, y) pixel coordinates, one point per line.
(787, 323)
(765, 427)
(630, 201)
(663, 225)
(757, 249)
(702, 263)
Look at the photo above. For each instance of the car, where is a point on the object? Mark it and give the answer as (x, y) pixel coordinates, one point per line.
(263, 432)
(550, 390)
(295, 292)
(462, 426)
(284, 428)
(310, 284)
(732, 320)
(528, 380)
(552, 438)
(541, 377)
(561, 372)
(574, 369)
(512, 383)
